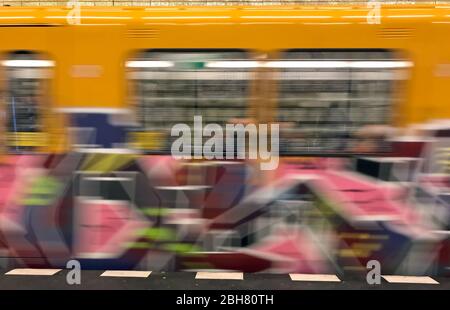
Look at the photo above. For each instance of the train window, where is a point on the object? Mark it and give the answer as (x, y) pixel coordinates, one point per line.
(27, 76)
(171, 87)
(114, 186)
(328, 99)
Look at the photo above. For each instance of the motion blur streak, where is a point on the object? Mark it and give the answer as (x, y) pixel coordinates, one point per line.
(86, 170)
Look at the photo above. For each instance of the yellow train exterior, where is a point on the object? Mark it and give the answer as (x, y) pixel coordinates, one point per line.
(106, 37)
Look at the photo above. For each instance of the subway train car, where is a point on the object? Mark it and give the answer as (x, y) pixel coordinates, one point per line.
(161, 66)
(89, 97)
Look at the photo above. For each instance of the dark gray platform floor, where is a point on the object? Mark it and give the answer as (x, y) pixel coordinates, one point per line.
(91, 280)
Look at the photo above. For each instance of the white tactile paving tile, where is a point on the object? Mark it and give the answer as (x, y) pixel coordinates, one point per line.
(32, 272)
(314, 277)
(126, 273)
(410, 280)
(202, 275)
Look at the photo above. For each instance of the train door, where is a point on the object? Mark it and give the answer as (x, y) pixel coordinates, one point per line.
(170, 87)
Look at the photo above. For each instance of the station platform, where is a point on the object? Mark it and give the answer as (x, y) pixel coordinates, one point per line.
(132, 280)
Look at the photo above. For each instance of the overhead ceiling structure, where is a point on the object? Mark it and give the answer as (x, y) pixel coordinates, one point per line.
(207, 2)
